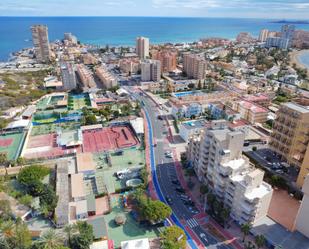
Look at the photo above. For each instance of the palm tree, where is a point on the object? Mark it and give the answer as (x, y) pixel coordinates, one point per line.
(51, 239)
(245, 229)
(260, 241)
(70, 230)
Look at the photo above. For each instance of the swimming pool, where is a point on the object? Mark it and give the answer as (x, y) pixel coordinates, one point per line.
(184, 94)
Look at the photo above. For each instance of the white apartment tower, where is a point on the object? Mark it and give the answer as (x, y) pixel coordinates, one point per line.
(142, 47)
(263, 35)
(151, 70)
(41, 43)
(216, 155)
(194, 66)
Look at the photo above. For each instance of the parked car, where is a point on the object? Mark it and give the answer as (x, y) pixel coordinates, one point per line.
(180, 189)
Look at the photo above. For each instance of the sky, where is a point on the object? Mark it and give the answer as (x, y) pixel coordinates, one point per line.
(270, 9)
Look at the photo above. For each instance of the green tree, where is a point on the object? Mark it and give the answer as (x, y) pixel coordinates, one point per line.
(156, 211)
(173, 238)
(3, 159)
(5, 208)
(3, 123)
(245, 229)
(31, 174)
(51, 239)
(48, 198)
(260, 241)
(70, 230)
(21, 238)
(84, 238)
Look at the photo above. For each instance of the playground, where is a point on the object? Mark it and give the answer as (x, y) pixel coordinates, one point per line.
(108, 138)
(131, 229)
(11, 144)
(78, 101)
(108, 164)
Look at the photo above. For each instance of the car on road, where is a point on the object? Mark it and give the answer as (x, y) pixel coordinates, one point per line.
(168, 154)
(169, 200)
(180, 189)
(175, 181)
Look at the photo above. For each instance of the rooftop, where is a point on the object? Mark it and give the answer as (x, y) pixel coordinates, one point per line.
(297, 107)
(85, 162)
(77, 185)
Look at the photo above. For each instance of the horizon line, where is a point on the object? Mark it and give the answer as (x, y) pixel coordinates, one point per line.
(197, 17)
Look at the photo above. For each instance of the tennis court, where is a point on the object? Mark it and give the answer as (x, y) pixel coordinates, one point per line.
(131, 229)
(52, 128)
(78, 101)
(11, 144)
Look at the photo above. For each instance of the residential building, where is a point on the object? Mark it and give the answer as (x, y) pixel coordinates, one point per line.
(250, 111)
(290, 137)
(85, 76)
(129, 66)
(190, 128)
(287, 31)
(191, 110)
(216, 156)
(218, 110)
(70, 38)
(142, 47)
(68, 76)
(106, 77)
(194, 66)
(277, 42)
(89, 59)
(41, 43)
(167, 58)
(244, 37)
(151, 70)
(263, 35)
(302, 219)
(260, 99)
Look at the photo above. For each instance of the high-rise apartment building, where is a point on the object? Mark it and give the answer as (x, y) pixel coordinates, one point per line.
(68, 76)
(142, 47)
(277, 42)
(41, 43)
(290, 137)
(168, 60)
(216, 156)
(151, 70)
(263, 35)
(194, 66)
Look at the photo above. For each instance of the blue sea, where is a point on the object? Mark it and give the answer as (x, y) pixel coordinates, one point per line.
(304, 58)
(15, 31)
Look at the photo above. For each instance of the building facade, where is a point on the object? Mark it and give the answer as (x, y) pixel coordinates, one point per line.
(194, 66)
(168, 60)
(151, 70)
(216, 156)
(142, 47)
(85, 76)
(263, 35)
(290, 137)
(41, 43)
(108, 79)
(68, 76)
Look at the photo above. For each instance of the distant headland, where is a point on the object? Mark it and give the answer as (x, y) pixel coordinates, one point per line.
(291, 22)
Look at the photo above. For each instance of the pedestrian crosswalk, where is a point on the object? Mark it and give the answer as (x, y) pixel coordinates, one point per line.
(192, 223)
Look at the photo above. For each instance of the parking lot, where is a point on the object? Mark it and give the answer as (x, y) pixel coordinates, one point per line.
(270, 161)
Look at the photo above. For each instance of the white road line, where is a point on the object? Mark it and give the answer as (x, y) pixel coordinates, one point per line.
(192, 223)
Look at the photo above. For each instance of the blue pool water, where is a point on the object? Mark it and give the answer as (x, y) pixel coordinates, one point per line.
(183, 94)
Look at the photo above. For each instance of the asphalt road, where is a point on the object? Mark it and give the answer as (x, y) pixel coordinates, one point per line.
(166, 171)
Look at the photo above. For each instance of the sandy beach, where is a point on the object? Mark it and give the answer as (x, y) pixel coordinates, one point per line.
(294, 55)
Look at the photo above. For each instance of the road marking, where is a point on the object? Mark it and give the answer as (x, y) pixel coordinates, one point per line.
(192, 223)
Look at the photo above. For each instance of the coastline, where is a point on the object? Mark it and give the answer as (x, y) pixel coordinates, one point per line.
(294, 59)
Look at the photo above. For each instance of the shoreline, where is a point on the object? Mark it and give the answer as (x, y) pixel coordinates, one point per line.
(294, 59)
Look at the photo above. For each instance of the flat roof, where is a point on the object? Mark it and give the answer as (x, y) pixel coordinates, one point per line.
(259, 192)
(85, 162)
(91, 127)
(277, 235)
(99, 227)
(190, 125)
(29, 111)
(297, 107)
(77, 185)
(81, 207)
(136, 244)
